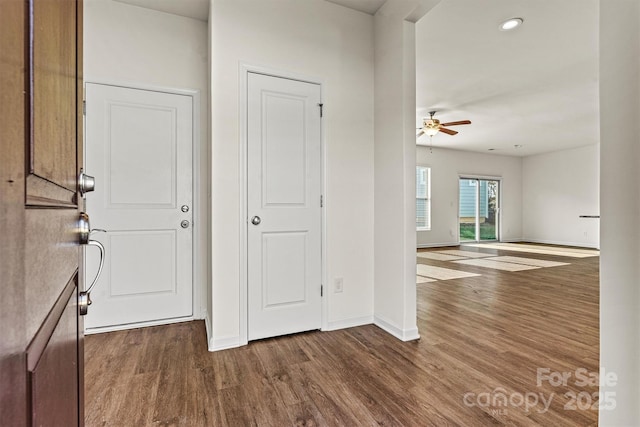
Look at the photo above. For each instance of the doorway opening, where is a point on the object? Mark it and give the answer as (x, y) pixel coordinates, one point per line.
(479, 209)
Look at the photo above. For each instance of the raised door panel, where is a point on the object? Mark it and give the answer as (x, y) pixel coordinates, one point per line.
(53, 103)
(52, 362)
(138, 132)
(284, 147)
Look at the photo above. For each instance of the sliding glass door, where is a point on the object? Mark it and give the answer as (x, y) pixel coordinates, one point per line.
(479, 209)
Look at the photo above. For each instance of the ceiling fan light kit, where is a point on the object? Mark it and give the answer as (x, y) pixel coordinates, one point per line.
(431, 126)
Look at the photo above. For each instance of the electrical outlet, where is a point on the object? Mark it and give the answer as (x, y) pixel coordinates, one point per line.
(337, 285)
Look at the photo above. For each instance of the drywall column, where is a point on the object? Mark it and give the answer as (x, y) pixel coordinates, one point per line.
(395, 160)
(620, 211)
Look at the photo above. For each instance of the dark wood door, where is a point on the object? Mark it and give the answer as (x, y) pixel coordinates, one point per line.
(41, 359)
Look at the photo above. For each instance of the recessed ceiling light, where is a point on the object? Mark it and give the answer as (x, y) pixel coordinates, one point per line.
(517, 146)
(491, 149)
(510, 24)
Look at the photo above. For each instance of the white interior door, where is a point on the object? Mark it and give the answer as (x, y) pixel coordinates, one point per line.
(284, 208)
(139, 148)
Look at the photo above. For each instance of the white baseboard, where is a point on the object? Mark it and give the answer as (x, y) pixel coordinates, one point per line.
(401, 334)
(349, 323)
(561, 243)
(437, 245)
(207, 326)
(91, 331)
(225, 343)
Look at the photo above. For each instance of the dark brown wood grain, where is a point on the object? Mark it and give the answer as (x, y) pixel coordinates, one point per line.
(53, 102)
(40, 347)
(13, 405)
(54, 373)
(478, 335)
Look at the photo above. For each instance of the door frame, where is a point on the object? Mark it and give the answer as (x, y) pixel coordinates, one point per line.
(198, 308)
(244, 71)
(499, 220)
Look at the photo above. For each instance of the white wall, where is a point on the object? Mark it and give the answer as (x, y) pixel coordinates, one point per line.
(446, 167)
(620, 208)
(395, 83)
(132, 45)
(317, 39)
(557, 188)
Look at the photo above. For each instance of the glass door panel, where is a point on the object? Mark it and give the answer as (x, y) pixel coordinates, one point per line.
(468, 209)
(489, 209)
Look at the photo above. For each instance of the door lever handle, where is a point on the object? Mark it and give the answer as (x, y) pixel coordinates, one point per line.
(84, 297)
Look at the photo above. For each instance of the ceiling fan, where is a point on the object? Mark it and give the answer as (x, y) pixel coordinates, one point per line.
(432, 126)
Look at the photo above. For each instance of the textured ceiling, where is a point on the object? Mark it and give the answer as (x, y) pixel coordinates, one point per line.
(536, 86)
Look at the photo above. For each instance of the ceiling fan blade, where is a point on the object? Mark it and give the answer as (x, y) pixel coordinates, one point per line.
(461, 122)
(420, 133)
(447, 131)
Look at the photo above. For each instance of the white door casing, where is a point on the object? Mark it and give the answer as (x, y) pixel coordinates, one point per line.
(139, 148)
(284, 182)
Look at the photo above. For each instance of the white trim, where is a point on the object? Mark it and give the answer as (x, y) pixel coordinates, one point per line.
(511, 241)
(244, 70)
(140, 85)
(207, 326)
(198, 309)
(225, 343)
(437, 245)
(483, 178)
(348, 323)
(243, 337)
(401, 334)
(561, 243)
(99, 330)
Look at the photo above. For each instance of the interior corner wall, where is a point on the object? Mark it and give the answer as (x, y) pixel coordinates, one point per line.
(323, 41)
(125, 44)
(557, 188)
(620, 211)
(446, 167)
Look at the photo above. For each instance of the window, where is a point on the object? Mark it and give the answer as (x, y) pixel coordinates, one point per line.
(423, 198)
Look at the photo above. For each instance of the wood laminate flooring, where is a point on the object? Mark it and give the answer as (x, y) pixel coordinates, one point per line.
(483, 340)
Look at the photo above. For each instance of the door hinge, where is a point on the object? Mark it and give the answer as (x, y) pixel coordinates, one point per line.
(321, 109)
(321, 289)
(321, 201)
(84, 108)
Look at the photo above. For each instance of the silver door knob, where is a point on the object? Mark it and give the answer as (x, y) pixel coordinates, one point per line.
(86, 183)
(184, 208)
(255, 220)
(184, 224)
